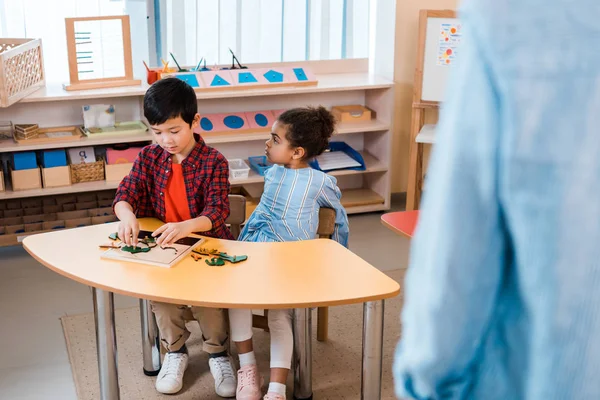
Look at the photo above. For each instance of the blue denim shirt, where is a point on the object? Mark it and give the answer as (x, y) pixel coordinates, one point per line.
(503, 288)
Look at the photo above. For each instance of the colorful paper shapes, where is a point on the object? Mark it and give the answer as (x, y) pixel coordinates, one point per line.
(215, 123)
(273, 76)
(246, 77)
(190, 79)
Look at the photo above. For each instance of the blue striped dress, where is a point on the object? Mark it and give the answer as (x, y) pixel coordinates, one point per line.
(289, 207)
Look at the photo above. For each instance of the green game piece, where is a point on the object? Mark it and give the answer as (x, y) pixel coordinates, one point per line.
(233, 259)
(215, 262)
(135, 250)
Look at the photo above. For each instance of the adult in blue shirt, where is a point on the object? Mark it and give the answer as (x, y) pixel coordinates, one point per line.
(503, 288)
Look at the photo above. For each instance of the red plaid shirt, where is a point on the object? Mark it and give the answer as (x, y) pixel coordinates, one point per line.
(206, 175)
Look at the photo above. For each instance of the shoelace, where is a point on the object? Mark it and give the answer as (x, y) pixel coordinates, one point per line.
(224, 367)
(248, 377)
(174, 364)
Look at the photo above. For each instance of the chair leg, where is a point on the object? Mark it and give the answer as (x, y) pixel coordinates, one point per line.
(322, 324)
(261, 321)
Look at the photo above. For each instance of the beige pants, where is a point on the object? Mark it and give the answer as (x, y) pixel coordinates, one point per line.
(170, 319)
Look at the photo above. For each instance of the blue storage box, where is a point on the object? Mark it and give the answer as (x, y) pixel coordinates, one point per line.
(54, 158)
(24, 160)
(260, 164)
(344, 147)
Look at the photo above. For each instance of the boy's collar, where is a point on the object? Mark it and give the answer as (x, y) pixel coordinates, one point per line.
(194, 154)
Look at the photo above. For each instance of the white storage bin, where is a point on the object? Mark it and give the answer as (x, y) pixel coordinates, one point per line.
(238, 169)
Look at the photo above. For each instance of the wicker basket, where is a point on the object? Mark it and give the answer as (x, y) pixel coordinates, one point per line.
(21, 69)
(87, 172)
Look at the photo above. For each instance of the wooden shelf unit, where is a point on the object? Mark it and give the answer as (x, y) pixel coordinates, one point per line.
(367, 191)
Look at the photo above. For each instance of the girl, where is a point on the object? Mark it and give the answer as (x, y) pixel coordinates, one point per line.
(288, 210)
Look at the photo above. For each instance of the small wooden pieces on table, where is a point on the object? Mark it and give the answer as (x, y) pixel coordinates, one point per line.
(114, 236)
(217, 258)
(106, 246)
(205, 252)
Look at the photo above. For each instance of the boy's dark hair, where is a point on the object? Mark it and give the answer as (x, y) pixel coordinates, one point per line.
(170, 98)
(309, 128)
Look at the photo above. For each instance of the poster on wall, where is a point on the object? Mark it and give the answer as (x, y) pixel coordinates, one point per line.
(449, 40)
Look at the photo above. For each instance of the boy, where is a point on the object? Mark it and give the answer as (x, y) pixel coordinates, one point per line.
(185, 184)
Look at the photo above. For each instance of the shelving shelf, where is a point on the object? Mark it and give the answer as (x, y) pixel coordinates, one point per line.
(362, 191)
(7, 146)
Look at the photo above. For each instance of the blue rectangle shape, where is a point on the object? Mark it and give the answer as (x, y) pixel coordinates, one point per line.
(54, 158)
(24, 160)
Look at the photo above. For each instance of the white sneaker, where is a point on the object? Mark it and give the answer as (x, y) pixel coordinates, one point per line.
(224, 375)
(170, 377)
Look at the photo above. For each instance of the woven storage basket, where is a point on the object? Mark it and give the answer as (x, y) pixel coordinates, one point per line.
(87, 172)
(21, 69)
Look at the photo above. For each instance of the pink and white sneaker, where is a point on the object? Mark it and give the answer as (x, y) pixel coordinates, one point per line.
(273, 396)
(249, 383)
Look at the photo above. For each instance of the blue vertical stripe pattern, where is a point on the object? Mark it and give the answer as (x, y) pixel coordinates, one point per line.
(289, 207)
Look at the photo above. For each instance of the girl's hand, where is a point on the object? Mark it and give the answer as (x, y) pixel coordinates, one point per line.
(129, 228)
(172, 232)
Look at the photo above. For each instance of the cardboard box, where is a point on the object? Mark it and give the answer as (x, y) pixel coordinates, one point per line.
(68, 207)
(104, 220)
(33, 227)
(26, 179)
(106, 203)
(49, 225)
(72, 214)
(82, 198)
(49, 201)
(52, 209)
(33, 211)
(100, 212)
(66, 199)
(32, 219)
(78, 222)
(116, 172)
(56, 176)
(11, 221)
(13, 213)
(352, 113)
(86, 205)
(13, 204)
(32, 203)
(11, 229)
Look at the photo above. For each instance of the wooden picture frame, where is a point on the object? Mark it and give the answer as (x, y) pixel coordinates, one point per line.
(419, 106)
(76, 83)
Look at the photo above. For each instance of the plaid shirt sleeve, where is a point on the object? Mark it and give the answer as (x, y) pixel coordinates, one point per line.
(132, 188)
(216, 203)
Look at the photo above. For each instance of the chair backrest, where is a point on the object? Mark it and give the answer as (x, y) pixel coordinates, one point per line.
(237, 214)
(326, 223)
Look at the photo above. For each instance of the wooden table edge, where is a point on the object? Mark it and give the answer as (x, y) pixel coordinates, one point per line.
(356, 300)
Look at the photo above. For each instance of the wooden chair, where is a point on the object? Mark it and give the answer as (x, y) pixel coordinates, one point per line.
(325, 231)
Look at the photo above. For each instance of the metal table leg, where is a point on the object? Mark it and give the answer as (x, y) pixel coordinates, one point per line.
(106, 341)
(150, 339)
(302, 354)
(372, 350)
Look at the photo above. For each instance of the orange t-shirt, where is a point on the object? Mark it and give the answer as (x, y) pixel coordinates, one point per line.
(177, 208)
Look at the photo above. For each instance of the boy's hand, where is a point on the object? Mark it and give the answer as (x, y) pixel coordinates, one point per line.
(172, 232)
(129, 228)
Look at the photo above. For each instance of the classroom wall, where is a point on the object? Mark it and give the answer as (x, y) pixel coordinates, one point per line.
(407, 21)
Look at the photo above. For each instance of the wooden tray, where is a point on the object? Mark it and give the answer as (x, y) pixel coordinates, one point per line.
(120, 128)
(52, 135)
